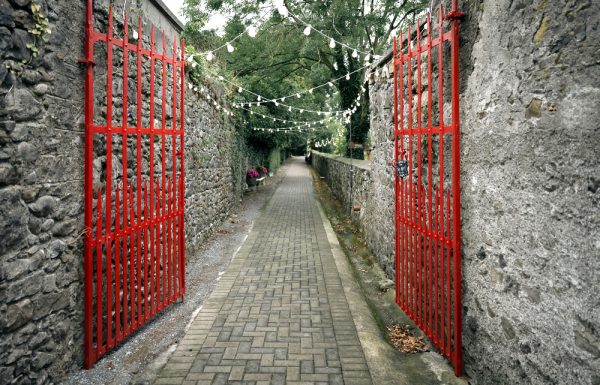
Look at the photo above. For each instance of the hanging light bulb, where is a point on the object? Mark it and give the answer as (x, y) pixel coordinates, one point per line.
(298, 96)
(332, 43)
(251, 31)
(230, 48)
(335, 66)
(190, 86)
(259, 98)
(135, 35)
(355, 54)
(209, 56)
(290, 109)
(282, 9)
(311, 90)
(240, 90)
(276, 104)
(347, 76)
(307, 30)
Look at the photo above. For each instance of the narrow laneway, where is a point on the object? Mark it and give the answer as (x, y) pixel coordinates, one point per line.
(279, 314)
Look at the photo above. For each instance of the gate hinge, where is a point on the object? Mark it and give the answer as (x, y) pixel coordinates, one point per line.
(87, 61)
(454, 15)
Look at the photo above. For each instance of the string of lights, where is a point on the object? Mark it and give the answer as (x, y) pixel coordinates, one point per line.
(306, 126)
(282, 9)
(323, 143)
(279, 101)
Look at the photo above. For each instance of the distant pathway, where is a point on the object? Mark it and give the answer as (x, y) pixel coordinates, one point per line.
(279, 314)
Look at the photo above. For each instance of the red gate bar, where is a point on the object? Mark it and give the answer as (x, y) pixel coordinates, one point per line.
(427, 211)
(134, 248)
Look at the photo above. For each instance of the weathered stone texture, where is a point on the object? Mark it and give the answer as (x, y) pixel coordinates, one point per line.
(530, 123)
(530, 91)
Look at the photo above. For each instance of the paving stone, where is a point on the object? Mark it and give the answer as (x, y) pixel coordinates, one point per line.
(279, 314)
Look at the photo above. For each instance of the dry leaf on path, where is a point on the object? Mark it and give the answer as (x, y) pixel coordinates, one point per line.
(404, 341)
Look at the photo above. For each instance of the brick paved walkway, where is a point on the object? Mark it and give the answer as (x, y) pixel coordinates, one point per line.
(279, 314)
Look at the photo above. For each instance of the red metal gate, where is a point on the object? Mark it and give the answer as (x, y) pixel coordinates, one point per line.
(134, 250)
(428, 256)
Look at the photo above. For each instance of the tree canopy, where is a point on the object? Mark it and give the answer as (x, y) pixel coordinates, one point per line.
(282, 60)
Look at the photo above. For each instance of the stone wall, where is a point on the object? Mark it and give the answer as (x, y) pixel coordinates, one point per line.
(41, 184)
(349, 179)
(357, 185)
(531, 124)
(530, 91)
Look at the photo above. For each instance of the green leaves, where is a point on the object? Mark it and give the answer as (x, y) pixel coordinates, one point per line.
(40, 30)
(282, 61)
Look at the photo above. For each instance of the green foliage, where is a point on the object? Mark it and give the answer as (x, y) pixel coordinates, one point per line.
(197, 67)
(281, 61)
(193, 32)
(40, 30)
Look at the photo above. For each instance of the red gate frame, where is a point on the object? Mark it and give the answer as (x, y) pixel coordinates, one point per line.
(148, 218)
(428, 234)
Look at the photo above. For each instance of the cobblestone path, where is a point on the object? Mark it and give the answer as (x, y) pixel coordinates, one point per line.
(279, 314)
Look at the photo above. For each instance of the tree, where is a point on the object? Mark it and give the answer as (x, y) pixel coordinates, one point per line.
(282, 60)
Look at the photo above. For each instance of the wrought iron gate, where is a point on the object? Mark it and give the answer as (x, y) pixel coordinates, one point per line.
(427, 216)
(134, 250)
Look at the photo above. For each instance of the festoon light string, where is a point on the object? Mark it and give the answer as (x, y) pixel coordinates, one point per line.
(264, 100)
(279, 100)
(282, 9)
(251, 31)
(324, 143)
(304, 126)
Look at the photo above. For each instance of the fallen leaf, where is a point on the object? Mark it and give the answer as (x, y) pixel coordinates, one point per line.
(403, 340)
